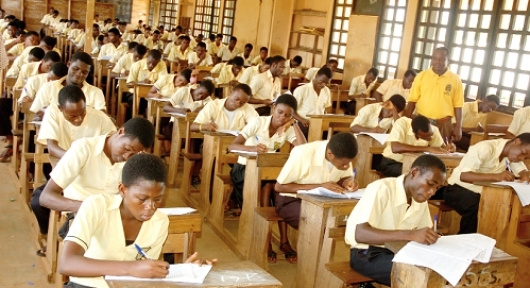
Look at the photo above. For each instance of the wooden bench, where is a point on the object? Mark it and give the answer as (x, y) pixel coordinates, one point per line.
(264, 217)
(345, 275)
(496, 122)
(178, 134)
(320, 123)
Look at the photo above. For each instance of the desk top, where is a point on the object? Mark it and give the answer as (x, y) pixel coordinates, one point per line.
(441, 156)
(333, 116)
(231, 274)
(326, 202)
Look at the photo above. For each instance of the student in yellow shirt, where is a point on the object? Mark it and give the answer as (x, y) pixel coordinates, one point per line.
(232, 72)
(393, 209)
(361, 86)
(103, 236)
(395, 86)
(166, 86)
(520, 123)
(263, 54)
(474, 116)
(378, 117)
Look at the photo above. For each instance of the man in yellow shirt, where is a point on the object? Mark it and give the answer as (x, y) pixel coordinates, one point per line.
(437, 94)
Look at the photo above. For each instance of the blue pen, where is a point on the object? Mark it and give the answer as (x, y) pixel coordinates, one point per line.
(508, 166)
(141, 251)
(354, 172)
(435, 223)
(257, 139)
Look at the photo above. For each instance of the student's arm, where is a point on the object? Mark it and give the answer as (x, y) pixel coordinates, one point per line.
(457, 132)
(54, 149)
(51, 198)
(398, 147)
(409, 109)
(471, 177)
(365, 233)
(168, 108)
(239, 144)
(378, 96)
(267, 102)
(153, 93)
(300, 137)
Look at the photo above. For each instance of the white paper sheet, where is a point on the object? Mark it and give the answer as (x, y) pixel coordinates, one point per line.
(231, 132)
(321, 191)
(170, 211)
(522, 190)
(183, 273)
(380, 137)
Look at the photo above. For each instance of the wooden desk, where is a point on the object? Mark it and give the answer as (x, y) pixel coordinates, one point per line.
(368, 146)
(153, 105)
(319, 218)
(231, 274)
(320, 123)
(502, 217)
(450, 161)
(361, 102)
(181, 234)
(179, 133)
(339, 93)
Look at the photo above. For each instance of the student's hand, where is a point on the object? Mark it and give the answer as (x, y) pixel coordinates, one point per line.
(457, 133)
(425, 236)
(437, 150)
(377, 130)
(524, 176)
(505, 176)
(26, 99)
(262, 148)
(304, 122)
(196, 260)
(351, 184)
(268, 102)
(451, 147)
(333, 187)
(149, 268)
(145, 81)
(212, 127)
(40, 114)
(285, 126)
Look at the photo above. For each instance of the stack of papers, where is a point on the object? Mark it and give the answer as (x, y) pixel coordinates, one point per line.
(321, 191)
(182, 273)
(521, 188)
(450, 256)
(177, 210)
(380, 137)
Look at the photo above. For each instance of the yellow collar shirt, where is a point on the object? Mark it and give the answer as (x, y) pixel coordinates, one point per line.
(358, 86)
(226, 75)
(265, 87)
(521, 122)
(140, 72)
(176, 53)
(471, 116)
(392, 87)
(33, 85)
(311, 103)
(26, 71)
(368, 117)
(215, 111)
(249, 74)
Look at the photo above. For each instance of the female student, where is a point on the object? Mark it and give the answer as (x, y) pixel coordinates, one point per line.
(261, 135)
(165, 87)
(102, 238)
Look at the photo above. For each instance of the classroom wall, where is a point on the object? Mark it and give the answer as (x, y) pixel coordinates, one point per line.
(33, 13)
(140, 11)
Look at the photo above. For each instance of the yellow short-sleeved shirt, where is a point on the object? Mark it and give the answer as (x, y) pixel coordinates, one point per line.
(26, 71)
(248, 60)
(109, 50)
(226, 75)
(55, 127)
(168, 48)
(225, 54)
(257, 60)
(48, 94)
(33, 85)
(124, 63)
(402, 132)
(18, 62)
(249, 74)
(182, 99)
(176, 54)
(215, 111)
(392, 87)
(384, 206)
(195, 60)
(213, 48)
(98, 229)
(307, 164)
(139, 72)
(165, 85)
(85, 170)
(368, 117)
(358, 86)
(483, 157)
(437, 96)
(521, 122)
(265, 87)
(309, 103)
(257, 132)
(17, 49)
(471, 116)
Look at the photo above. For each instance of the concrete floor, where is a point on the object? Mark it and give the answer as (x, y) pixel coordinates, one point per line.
(21, 267)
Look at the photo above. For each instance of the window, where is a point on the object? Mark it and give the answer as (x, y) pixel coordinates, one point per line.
(168, 14)
(489, 43)
(339, 30)
(390, 37)
(207, 17)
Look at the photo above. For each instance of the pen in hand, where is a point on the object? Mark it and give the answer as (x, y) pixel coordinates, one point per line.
(508, 166)
(141, 251)
(435, 223)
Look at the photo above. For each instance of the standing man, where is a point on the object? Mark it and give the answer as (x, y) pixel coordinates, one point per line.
(439, 96)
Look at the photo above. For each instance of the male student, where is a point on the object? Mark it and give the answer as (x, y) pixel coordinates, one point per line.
(231, 73)
(199, 57)
(231, 113)
(378, 117)
(78, 69)
(246, 54)
(316, 164)
(100, 241)
(124, 64)
(253, 71)
(114, 47)
(411, 135)
(391, 87)
(79, 42)
(180, 52)
(147, 70)
(215, 46)
(520, 123)
(361, 86)
(263, 54)
(312, 72)
(474, 116)
(92, 166)
(57, 71)
(393, 209)
(35, 68)
(227, 53)
(190, 98)
(487, 161)
(154, 42)
(293, 66)
(313, 98)
(267, 86)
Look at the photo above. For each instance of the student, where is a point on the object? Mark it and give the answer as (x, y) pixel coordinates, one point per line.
(148, 70)
(215, 46)
(313, 98)
(163, 33)
(312, 72)
(361, 86)
(194, 41)
(114, 47)
(180, 52)
(487, 161)
(71, 120)
(520, 123)
(35, 68)
(227, 53)
(231, 73)
(79, 41)
(267, 86)
(135, 54)
(231, 113)
(393, 209)
(34, 54)
(246, 54)
(199, 57)
(190, 99)
(261, 135)
(474, 116)
(293, 66)
(16, 47)
(391, 87)
(316, 164)
(154, 42)
(100, 241)
(263, 54)
(254, 71)
(91, 166)
(166, 86)
(411, 135)
(78, 70)
(378, 117)
(57, 71)
(142, 38)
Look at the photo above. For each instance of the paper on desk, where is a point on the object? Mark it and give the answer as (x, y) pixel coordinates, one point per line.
(380, 137)
(450, 256)
(160, 99)
(177, 210)
(321, 191)
(249, 153)
(460, 154)
(521, 188)
(183, 273)
(231, 132)
(176, 114)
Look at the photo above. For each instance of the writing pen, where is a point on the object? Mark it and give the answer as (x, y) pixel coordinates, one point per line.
(141, 251)
(435, 223)
(257, 139)
(508, 166)
(354, 172)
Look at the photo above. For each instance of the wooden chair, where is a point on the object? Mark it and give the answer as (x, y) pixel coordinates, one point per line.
(140, 91)
(159, 114)
(182, 233)
(178, 134)
(264, 218)
(10, 83)
(177, 66)
(337, 127)
(122, 106)
(99, 71)
(22, 158)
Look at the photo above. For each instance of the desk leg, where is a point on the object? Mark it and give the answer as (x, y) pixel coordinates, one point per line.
(208, 161)
(251, 189)
(315, 130)
(494, 214)
(175, 154)
(310, 238)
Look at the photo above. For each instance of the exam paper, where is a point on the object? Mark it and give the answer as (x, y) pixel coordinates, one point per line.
(380, 137)
(177, 210)
(183, 273)
(231, 132)
(521, 188)
(321, 191)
